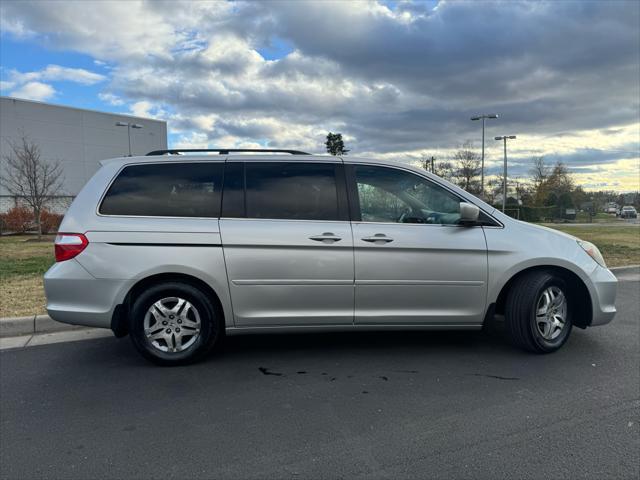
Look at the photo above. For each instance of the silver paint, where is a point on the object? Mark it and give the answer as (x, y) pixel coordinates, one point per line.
(283, 275)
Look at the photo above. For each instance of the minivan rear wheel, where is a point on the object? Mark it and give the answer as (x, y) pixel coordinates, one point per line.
(174, 323)
(538, 312)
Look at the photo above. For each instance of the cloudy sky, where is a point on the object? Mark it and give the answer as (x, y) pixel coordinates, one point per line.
(399, 79)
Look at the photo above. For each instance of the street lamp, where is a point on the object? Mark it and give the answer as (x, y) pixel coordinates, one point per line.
(129, 127)
(483, 117)
(504, 177)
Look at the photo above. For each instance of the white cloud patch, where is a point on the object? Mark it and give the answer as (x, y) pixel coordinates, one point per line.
(54, 73)
(32, 86)
(34, 91)
(111, 99)
(6, 85)
(141, 109)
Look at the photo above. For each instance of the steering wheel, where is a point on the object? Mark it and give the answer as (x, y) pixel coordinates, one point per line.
(412, 216)
(403, 215)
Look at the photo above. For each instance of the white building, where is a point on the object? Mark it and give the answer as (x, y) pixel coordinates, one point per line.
(75, 137)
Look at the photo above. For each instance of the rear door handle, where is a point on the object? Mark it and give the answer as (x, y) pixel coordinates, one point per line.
(378, 237)
(326, 237)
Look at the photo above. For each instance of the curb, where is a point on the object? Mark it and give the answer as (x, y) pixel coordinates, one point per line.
(34, 340)
(624, 267)
(19, 326)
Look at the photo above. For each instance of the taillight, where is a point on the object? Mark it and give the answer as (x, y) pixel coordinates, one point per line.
(69, 245)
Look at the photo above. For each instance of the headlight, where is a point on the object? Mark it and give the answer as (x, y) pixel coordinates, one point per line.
(593, 252)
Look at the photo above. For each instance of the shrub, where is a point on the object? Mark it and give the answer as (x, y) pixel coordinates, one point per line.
(18, 219)
(50, 221)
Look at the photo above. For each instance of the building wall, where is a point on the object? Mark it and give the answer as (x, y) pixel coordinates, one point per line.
(77, 138)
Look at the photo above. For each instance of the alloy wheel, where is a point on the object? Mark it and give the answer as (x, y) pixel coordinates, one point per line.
(172, 324)
(551, 313)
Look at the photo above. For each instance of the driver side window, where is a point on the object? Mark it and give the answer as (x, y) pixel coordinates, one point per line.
(396, 196)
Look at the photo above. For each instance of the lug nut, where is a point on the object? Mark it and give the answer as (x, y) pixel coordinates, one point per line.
(168, 330)
(178, 330)
(179, 321)
(164, 322)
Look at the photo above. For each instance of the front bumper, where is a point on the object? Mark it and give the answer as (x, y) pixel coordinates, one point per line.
(603, 295)
(75, 296)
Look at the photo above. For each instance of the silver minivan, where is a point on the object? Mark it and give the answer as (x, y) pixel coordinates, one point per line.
(178, 249)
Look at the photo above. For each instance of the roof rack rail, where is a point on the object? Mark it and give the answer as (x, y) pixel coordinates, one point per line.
(223, 151)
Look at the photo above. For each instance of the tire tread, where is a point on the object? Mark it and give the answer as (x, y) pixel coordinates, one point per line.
(521, 299)
(215, 334)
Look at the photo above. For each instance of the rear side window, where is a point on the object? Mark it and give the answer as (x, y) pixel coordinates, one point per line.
(166, 190)
(293, 191)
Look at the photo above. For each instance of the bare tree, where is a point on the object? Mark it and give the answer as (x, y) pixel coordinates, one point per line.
(30, 177)
(445, 169)
(539, 171)
(468, 169)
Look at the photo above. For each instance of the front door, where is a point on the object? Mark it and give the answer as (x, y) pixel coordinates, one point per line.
(413, 263)
(287, 244)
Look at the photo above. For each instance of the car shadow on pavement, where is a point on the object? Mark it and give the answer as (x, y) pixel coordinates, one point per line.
(287, 354)
(363, 342)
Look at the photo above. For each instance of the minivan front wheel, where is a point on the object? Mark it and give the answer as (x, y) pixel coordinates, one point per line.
(173, 323)
(538, 312)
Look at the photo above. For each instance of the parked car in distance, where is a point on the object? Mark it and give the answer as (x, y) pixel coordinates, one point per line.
(612, 207)
(179, 250)
(628, 211)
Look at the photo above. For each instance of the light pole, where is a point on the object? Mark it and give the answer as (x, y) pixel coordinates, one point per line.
(483, 117)
(504, 174)
(129, 127)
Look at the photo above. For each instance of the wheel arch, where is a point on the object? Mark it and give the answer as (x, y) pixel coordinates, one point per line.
(119, 321)
(577, 289)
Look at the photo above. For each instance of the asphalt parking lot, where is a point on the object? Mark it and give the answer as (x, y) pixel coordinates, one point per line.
(381, 405)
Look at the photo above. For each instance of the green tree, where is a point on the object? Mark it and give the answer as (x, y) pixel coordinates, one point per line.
(335, 144)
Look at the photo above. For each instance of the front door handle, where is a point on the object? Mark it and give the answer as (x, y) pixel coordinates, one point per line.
(326, 237)
(378, 237)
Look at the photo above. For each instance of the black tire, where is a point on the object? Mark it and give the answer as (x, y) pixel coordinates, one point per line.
(211, 324)
(520, 312)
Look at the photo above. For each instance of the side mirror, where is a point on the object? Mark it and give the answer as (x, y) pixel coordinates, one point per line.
(468, 214)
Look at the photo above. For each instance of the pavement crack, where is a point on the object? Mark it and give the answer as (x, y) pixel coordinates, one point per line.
(266, 371)
(493, 376)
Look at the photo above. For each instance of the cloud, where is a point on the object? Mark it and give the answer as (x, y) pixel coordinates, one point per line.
(32, 86)
(111, 99)
(141, 109)
(34, 91)
(397, 80)
(6, 85)
(58, 73)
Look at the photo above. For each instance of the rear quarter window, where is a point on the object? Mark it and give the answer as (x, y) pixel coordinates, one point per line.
(166, 190)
